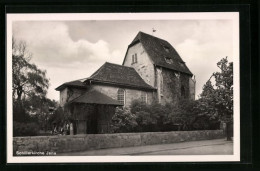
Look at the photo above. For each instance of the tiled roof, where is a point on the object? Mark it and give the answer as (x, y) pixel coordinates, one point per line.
(119, 75)
(95, 97)
(115, 74)
(159, 49)
(76, 83)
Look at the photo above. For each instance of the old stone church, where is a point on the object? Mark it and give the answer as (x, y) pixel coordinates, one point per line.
(152, 70)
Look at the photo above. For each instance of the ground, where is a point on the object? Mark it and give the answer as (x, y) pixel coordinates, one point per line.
(205, 147)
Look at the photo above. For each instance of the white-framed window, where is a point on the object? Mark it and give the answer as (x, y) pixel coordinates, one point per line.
(144, 97)
(121, 96)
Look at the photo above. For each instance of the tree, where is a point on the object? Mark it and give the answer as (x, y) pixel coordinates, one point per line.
(28, 79)
(39, 106)
(217, 100)
(224, 89)
(58, 117)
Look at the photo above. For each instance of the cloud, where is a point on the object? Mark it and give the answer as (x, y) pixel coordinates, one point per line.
(65, 59)
(75, 49)
(51, 44)
(209, 43)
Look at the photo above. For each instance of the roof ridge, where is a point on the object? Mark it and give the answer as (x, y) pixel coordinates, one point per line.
(120, 65)
(97, 71)
(153, 36)
(76, 80)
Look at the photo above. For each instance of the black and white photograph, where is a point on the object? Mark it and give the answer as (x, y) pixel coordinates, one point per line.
(123, 87)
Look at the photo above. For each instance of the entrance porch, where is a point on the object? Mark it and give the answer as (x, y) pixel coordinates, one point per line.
(92, 113)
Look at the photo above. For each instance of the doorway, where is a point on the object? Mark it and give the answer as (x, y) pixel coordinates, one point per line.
(92, 122)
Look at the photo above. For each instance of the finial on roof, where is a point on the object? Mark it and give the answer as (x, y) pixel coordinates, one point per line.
(153, 30)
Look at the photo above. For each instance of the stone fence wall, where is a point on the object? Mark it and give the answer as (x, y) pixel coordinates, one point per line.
(73, 143)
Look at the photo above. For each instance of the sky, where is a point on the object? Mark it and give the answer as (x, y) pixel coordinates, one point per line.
(71, 50)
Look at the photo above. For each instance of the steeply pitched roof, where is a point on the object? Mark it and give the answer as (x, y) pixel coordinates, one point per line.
(159, 49)
(76, 83)
(119, 75)
(95, 97)
(112, 74)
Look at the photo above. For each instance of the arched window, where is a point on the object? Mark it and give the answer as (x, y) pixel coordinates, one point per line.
(144, 97)
(121, 96)
(182, 91)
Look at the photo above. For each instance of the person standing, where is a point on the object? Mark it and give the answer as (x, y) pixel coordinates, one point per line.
(67, 129)
(71, 128)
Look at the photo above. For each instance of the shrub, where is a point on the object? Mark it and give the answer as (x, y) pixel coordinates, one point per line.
(25, 129)
(151, 118)
(157, 117)
(123, 121)
(146, 122)
(205, 123)
(137, 106)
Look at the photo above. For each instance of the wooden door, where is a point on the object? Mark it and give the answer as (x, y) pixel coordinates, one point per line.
(82, 127)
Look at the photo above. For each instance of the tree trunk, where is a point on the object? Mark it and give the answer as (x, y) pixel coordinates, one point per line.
(229, 131)
(19, 112)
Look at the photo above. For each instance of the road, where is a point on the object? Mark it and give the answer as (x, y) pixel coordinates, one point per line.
(205, 147)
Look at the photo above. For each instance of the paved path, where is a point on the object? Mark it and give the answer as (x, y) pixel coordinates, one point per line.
(205, 147)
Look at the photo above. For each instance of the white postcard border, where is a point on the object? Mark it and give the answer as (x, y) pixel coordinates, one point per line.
(234, 16)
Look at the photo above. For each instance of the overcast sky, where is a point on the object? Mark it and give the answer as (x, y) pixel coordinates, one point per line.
(71, 50)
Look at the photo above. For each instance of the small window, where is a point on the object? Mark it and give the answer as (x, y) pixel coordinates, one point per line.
(167, 49)
(168, 60)
(121, 96)
(181, 64)
(144, 97)
(134, 58)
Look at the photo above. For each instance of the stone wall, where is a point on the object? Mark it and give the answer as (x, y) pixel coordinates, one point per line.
(63, 96)
(73, 143)
(70, 93)
(171, 86)
(192, 83)
(144, 66)
(130, 94)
